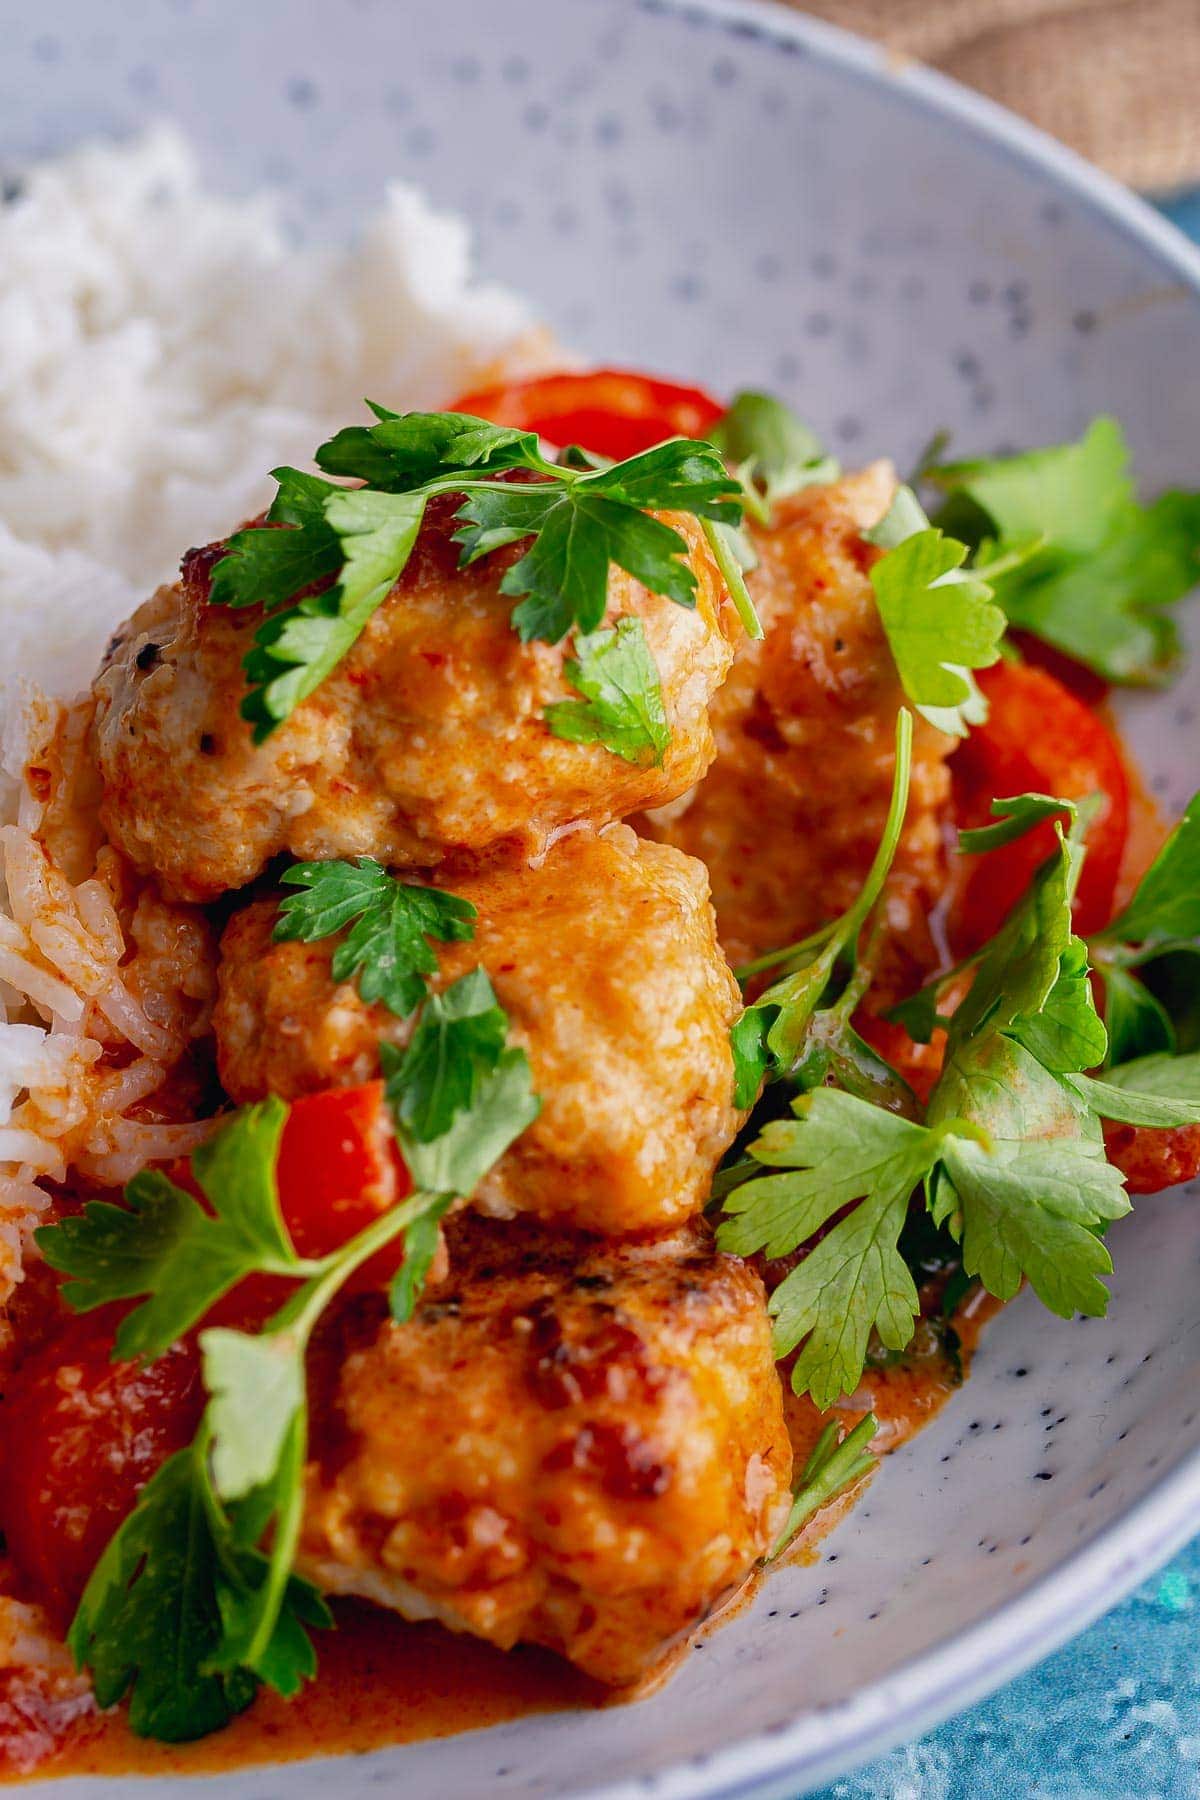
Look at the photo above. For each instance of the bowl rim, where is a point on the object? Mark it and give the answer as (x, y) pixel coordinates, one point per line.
(822, 1745)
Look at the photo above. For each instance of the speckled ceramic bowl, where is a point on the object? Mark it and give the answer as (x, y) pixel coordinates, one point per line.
(730, 192)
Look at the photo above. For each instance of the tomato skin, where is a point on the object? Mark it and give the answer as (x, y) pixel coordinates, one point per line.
(614, 412)
(338, 1167)
(1038, 738)
(1152, 1159)
(79, 1438)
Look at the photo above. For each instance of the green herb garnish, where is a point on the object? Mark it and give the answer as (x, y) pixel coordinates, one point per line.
(622, 706)
(1096, 570)
(834, 1464)
(1149, 956)
(795, 1029)
(172, 1587)
(940, 618)
(194, 1601)
(774, 452)
(1008, 1154)
(387, 946)
(578, 520)
(459, 1092)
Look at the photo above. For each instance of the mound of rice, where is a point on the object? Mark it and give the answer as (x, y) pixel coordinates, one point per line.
(163, 349)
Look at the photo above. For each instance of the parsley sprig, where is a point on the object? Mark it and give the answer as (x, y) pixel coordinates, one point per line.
(460, 1093)
(1008, 1155)
(773, 451)
(940, 618)
(622, 705)
(167, 1599)
(194, 1601)
(836, 1462)
(578, 519)
(795, 1029)
(1149, 956)
(1094, 572)
(390, 923)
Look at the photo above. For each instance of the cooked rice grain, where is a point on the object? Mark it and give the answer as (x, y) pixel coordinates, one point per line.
(163, 348)
(108, 985)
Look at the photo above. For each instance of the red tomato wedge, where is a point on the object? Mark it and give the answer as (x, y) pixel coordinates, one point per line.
(1039, 738)
(614, 412)
(1081, 681)
(80, 1436)
(1151, 1159)
(339, 1168)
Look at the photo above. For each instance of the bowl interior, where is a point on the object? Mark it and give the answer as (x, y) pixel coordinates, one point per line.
(730, 195)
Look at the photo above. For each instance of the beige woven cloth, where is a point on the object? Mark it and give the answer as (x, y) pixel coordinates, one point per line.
(1118, 80)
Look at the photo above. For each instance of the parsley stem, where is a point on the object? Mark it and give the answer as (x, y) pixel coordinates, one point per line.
(298, 1316)
(286, 1537)
(860, 980)
(813, 941)
(1012, 559)
(845, 929)
(299, 1268)
(723, 555)
(831, 1468)
(301, 1312)
(889, 840)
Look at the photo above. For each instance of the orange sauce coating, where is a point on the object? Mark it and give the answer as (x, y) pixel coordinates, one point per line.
(384, 1681)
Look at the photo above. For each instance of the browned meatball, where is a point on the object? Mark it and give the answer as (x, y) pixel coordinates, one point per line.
(790, 814)
(572, 1445)
(605, 958)
(428, 738)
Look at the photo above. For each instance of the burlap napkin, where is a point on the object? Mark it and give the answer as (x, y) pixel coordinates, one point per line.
(1117, 79)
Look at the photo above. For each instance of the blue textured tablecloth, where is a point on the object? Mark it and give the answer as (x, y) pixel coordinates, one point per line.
(1113, 1716)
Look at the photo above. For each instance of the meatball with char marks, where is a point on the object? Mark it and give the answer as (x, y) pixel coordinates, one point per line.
(573, 1445)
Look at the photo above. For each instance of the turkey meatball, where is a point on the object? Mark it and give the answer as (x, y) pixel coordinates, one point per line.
(573, 1445)
(605, 958)
(791, 812)
(429, 738)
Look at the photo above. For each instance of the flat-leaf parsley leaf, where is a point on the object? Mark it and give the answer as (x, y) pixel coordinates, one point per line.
(387, 946)
(622, 706)
(579, 521)
(1104, 568)
(194, 1600)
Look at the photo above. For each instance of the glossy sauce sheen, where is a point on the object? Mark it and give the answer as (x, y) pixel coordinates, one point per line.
(384, 1681)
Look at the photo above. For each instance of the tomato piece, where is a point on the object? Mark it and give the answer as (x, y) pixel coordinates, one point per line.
(1038, 738)
(80, 1436)
(1081, 681)
(614, 412)
(1152, 1159)
(339, 1168)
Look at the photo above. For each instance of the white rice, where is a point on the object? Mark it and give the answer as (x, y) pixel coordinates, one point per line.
(163, 349)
